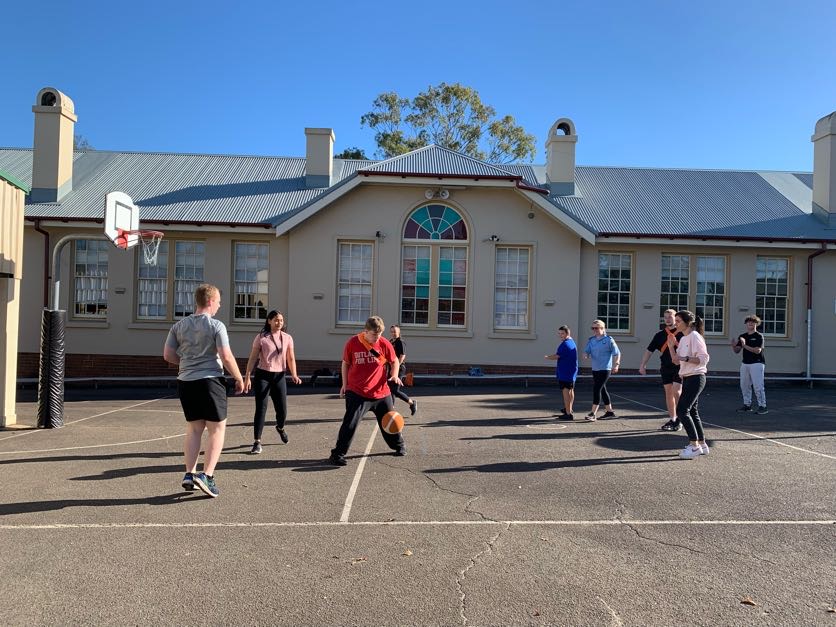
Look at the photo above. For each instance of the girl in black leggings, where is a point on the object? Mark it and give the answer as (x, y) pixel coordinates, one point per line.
(692, 358)
(273, 351)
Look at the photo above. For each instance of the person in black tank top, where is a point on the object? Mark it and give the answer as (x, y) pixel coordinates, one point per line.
(669, 371)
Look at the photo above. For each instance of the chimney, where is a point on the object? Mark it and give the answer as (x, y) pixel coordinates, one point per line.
(52, 161)
(560, 157)
(824, 169)
(320, 157)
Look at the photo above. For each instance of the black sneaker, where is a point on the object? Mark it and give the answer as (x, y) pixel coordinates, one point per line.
(206, 484)
(282, 435)
(744, 409)
(413, 408)
(256, 450)
(401, 452)
(337, 460)
(762, 410)
(672, 425)
(566, 417)
(188, 482)
(609, 414)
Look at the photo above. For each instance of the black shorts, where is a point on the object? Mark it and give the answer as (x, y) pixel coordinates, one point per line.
(203, 399)
(566, 385)
(670, 374)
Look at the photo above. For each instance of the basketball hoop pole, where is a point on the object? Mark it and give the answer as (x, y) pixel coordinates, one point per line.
(52, 357)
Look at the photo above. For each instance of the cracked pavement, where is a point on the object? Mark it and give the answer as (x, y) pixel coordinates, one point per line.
(498, 515)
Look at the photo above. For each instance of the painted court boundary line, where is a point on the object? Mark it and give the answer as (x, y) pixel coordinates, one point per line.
(78, 448)
(104, 413)
(349, 500)
(433, 523)
(752, 435)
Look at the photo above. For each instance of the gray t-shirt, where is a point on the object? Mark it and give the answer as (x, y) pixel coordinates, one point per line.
(197, 340)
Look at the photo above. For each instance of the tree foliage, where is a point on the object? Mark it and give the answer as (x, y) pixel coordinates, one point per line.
(80, 143)
(352, 153)
(452, 116)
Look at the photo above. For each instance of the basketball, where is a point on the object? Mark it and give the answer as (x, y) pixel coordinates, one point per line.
(392, 422)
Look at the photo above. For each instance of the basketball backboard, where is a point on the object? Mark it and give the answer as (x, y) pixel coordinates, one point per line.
(121, 214)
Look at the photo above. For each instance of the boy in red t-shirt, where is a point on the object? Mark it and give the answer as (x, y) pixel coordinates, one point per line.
(365, 386)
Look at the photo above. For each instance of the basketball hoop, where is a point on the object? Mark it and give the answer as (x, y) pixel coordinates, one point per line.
(150, 241)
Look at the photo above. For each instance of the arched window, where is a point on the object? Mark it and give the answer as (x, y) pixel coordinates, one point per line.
(434, 258)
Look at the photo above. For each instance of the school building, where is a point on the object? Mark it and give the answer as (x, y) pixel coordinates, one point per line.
(478, 262)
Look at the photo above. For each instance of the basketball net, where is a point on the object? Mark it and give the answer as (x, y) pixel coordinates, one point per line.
(150, 241)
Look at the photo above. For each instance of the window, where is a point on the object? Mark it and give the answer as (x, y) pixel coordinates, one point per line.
(415, 284)
(511, 288)
(251, 267)
(706, 289)
(434, 268)
(354, 282)
(614, 288)
(771, 294)
(711, 293)
(90, 278)
(152, 286)
(676, 283)
(166, 291)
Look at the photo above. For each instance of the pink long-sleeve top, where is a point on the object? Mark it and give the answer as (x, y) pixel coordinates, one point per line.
(692, 345)
(273, 351)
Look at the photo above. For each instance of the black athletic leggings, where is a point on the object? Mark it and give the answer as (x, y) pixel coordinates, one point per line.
(599, 387)
(687, 408)
(272, 383)
(397, 390)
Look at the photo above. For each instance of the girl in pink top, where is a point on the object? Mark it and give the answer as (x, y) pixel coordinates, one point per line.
(692, 358)
(273, 351)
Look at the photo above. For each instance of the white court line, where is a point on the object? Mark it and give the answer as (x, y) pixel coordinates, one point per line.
(78, 448)
(753, 435)
(349, 500)
(433, 523)
(67, 424)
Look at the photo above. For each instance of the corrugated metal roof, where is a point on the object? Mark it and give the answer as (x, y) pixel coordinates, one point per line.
(437, 161)
(268, 190)
(181, 187)
(527, 172)
(686, 202)
(806, 178)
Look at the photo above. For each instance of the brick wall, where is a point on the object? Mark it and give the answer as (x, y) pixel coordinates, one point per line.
(82, 365)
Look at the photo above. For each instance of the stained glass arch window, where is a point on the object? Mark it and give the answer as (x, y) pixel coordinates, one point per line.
(435, 222)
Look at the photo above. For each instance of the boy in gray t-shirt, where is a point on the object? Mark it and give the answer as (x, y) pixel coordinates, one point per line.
(199, 345)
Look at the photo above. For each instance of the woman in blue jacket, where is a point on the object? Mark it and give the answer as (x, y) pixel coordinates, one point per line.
(606, 357)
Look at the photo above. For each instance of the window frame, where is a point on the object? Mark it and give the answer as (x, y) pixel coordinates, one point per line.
(787, 298)
(233, 287)
(362, 242)
(435, 246)
(528, 300)
(691, 297)
(632, 292)
(170, 279)
(106, 247)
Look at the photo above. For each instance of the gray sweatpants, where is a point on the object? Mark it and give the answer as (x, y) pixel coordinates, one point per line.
(751, 376)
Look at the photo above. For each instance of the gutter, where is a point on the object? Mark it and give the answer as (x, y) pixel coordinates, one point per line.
(810, 258)
(47, 274)
(705, 238)
(232, 225)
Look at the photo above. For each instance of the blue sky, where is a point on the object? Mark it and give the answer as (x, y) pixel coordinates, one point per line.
(710, 84)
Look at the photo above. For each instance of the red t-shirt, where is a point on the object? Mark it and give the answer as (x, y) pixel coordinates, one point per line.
(366, 375)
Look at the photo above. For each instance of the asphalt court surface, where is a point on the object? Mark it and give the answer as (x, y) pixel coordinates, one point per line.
(498, 515)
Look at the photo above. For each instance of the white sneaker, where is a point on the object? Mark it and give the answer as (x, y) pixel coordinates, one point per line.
(704, 450)
(691, 451)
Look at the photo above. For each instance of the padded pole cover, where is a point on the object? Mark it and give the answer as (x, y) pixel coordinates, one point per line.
(51, 376)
